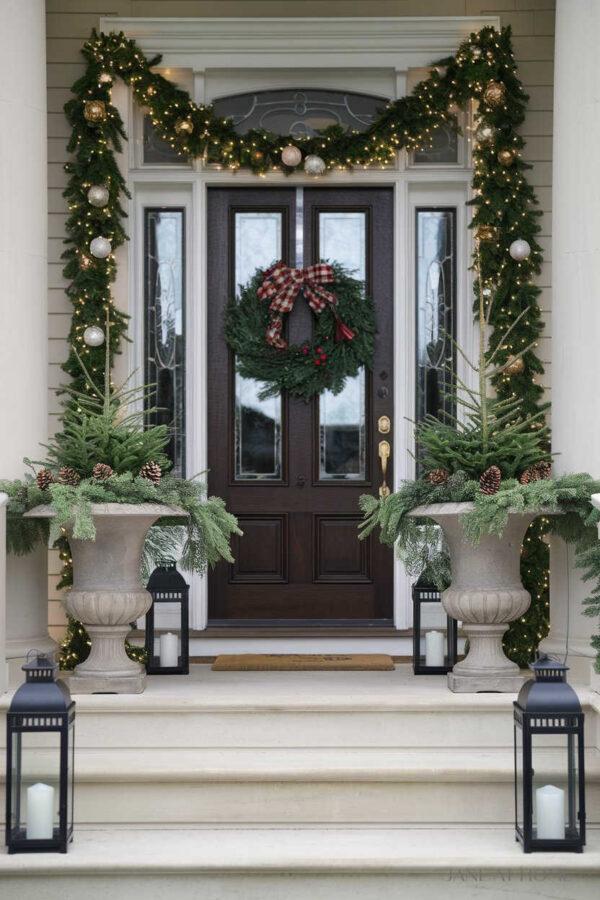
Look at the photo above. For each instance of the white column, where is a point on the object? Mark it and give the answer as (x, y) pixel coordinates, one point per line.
(23, 280)
(575, 299)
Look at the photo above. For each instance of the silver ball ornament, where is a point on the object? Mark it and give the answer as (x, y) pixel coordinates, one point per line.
(291, 155)
(314, 165)
(476, 53)
(105, 78)
(100, 247)
(519, 249)
(93, 336)
(98, 195)
(485, 134)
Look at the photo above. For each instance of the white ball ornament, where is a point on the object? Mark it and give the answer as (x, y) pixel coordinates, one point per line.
(93, 336)
(484, 134)
(98, 195)
(519, 249)
(291, 155)
(314, 165)
(100, 247)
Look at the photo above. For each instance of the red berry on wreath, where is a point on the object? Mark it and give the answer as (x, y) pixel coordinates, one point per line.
(305, 350)
(319, 349)
(317, 362)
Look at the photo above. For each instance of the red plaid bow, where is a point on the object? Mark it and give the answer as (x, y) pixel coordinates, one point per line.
(281, 285)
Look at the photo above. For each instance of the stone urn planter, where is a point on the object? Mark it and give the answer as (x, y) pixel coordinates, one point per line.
(107, 595)
(486, 595)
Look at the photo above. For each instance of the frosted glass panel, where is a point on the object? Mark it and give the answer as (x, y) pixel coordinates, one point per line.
(257, 423)
(342, 239)
(342, 425)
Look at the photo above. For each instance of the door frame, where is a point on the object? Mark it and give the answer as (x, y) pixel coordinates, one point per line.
(185, 42)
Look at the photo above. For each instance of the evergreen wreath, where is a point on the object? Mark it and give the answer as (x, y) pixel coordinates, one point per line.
(343, 339)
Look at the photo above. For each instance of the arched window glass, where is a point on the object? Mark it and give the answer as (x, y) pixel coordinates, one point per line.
(299, 112)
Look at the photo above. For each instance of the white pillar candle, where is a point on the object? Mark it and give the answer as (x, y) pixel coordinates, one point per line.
(169, 650)
(550, 812)
(434, 648)
(40, 812)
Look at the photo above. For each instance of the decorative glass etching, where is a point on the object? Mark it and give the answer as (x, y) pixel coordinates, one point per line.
(444, 149)
(299, 112)
(164, 231)
(342, 417)
(257, 423)
(156, 151)
(435, 286)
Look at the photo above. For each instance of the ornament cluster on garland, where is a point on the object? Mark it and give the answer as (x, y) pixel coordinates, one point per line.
(482, 70)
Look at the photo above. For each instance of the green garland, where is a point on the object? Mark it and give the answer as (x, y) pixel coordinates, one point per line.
(503, 199)
(313, 366)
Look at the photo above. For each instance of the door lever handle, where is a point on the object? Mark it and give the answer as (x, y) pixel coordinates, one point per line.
(384, 451)
(300, 481)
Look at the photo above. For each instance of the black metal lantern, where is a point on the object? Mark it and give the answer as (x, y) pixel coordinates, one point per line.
(549, 762)
(435, 633)
(40, 732)
(167, 622)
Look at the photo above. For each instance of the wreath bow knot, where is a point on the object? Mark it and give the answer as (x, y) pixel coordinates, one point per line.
(282, 284)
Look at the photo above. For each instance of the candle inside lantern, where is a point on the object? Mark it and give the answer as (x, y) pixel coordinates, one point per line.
(40, 812)
(434, 648)
(550, 810)
(169, 650)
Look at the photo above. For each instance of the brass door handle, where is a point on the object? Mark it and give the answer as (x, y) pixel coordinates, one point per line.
(384, 451)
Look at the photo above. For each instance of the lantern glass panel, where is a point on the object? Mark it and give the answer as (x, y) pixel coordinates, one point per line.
(35, 783)
(554, 786)
(519, 801)
(433, 619)
(71, 776)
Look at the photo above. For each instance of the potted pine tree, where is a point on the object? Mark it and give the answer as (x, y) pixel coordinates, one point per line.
(103, 485)
(486, 475)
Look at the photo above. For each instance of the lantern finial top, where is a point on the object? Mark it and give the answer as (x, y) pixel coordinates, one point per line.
(548, 669)
(39, 667)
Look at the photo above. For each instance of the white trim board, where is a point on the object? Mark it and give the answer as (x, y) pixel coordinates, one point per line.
(202, 43)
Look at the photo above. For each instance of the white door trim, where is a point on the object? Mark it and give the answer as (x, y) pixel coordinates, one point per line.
(204, 43)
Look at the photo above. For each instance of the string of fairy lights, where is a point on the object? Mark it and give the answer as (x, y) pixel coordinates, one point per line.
(481, 78)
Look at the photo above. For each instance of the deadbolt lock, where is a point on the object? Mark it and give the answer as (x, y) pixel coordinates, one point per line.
(384, 425)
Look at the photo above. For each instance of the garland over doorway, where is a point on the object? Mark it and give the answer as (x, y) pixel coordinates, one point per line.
(504, 215)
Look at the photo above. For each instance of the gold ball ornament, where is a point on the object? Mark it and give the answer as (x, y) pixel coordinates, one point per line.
(150, 90)
(515, 366)
(85, 262)
(485, 134)
(105, 78)
(506, 157)
(494, 93)
(486, 233)
(184, 126)
(258, 155)
(94, 111)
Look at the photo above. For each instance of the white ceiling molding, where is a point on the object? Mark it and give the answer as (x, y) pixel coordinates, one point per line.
(397, 43)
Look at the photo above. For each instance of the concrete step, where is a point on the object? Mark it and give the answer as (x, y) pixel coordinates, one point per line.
(305, 786)
(323, 864)
(296, 709)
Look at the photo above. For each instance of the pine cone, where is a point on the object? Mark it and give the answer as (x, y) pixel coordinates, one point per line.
(102, 471)
(44, 479)
(437, 476)
(489, 482)
(543, 470)
(526, 476)
(151, 471)
(68, 475)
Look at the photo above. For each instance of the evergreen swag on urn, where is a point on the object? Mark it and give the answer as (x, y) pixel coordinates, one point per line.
(103, 485)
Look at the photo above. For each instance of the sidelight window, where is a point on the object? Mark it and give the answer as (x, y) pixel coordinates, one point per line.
(164, 296)
(435, 266)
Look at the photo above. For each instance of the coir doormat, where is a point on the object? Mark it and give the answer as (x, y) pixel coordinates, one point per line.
(303, 662)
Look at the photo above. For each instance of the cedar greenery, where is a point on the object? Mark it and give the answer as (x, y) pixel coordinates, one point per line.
(567, 513)
(503, 199)
(300, 368)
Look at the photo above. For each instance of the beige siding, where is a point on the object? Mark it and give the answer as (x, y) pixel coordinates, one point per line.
(69, 23)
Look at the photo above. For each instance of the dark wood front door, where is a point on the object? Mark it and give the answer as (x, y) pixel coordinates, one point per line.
(293, 471)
